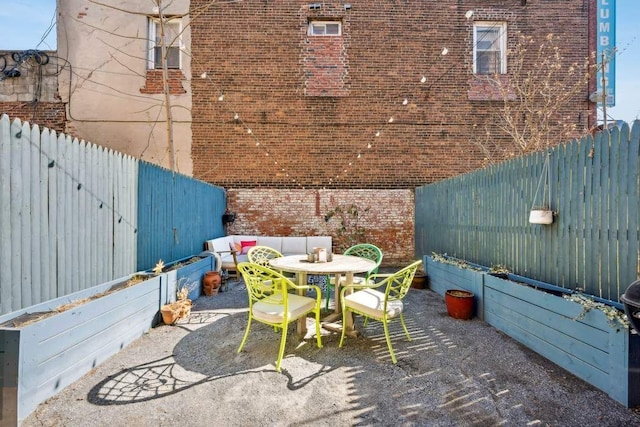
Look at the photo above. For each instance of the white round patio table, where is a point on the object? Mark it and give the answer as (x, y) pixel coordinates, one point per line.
(339, 265)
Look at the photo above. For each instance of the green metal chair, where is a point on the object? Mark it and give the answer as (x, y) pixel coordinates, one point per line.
(271, 303)
(382, 305)
(363, 250)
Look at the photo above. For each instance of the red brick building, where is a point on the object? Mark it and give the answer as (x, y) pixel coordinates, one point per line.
(358, 94)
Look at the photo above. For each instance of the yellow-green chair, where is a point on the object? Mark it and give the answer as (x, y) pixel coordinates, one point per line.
(362, 250)
(381, 301)
(270, 303)
(262, 254)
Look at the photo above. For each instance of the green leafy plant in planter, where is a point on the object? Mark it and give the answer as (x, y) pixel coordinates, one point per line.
(349, 231)
(446, 259)
(617, 319)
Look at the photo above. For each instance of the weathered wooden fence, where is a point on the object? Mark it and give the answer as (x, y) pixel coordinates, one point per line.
(70, 216)
(593, 242)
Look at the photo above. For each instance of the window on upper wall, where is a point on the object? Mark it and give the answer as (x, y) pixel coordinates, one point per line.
(325, 28)
(172, 30)
(490, 48)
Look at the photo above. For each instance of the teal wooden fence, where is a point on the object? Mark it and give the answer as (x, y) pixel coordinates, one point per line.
(593, 242)
(176, 214)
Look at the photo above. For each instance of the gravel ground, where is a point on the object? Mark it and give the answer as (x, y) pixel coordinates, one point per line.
(453, 373)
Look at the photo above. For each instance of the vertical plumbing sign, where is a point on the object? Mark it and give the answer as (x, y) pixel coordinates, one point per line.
(606, 51)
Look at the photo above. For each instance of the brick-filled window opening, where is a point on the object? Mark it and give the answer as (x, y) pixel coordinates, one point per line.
(325, 61)
(490, 48)
(325, 28)
(172, 30)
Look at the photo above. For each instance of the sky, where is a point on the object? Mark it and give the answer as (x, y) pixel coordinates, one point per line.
(24, 23)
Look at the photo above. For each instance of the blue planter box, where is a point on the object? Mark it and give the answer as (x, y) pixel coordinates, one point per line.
(189, 275)
(41, 358)
(589, 348)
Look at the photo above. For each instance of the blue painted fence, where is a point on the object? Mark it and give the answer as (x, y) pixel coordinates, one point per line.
(176, 214)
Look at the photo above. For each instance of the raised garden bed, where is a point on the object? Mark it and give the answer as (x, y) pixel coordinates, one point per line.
(589, 345)
(50, 345)
(45, 347)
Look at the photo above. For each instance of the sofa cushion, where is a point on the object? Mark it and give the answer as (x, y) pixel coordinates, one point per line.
(294, 245)
(271, 242)
(221, 244)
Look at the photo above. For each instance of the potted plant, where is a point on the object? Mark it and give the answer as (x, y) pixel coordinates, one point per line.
(419, 279)
(542, 213)
(459, 304)
(174, 311)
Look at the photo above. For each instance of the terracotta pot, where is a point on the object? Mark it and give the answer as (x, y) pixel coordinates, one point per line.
(419, 281)
(170, 313)
(211, 282)
(459, 304)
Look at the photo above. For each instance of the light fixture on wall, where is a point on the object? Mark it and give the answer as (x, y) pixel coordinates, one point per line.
(228, 217)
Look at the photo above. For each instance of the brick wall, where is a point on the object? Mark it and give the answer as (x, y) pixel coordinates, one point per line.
(155, 85)
(29, 88)
(44, 114)
(386, 215)
(269, 132)
(394, 113)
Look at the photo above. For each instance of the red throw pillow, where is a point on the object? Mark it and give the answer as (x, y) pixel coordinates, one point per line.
(246, 246)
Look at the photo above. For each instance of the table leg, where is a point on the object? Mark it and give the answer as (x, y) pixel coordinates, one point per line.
(302, 322)
(337, 314)
(349, 318)
(337, 309)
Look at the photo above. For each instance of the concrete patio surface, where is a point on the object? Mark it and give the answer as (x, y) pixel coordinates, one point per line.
(453, 373)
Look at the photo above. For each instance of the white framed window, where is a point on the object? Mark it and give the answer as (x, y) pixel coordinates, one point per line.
(325, 28)
(172, 30)
(490, 47)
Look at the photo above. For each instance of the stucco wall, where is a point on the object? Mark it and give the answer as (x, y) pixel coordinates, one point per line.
(111, 99)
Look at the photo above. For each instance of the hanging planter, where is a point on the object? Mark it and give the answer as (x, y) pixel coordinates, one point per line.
(542, 213)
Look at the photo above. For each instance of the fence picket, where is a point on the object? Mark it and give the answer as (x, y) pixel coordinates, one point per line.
(36, 213)
(5, 214)
(16, 204)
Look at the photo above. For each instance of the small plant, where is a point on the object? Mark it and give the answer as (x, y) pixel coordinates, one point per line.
(498, 269)
(446, 259)
(159, 267)
(616, 318)
(182, 293)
